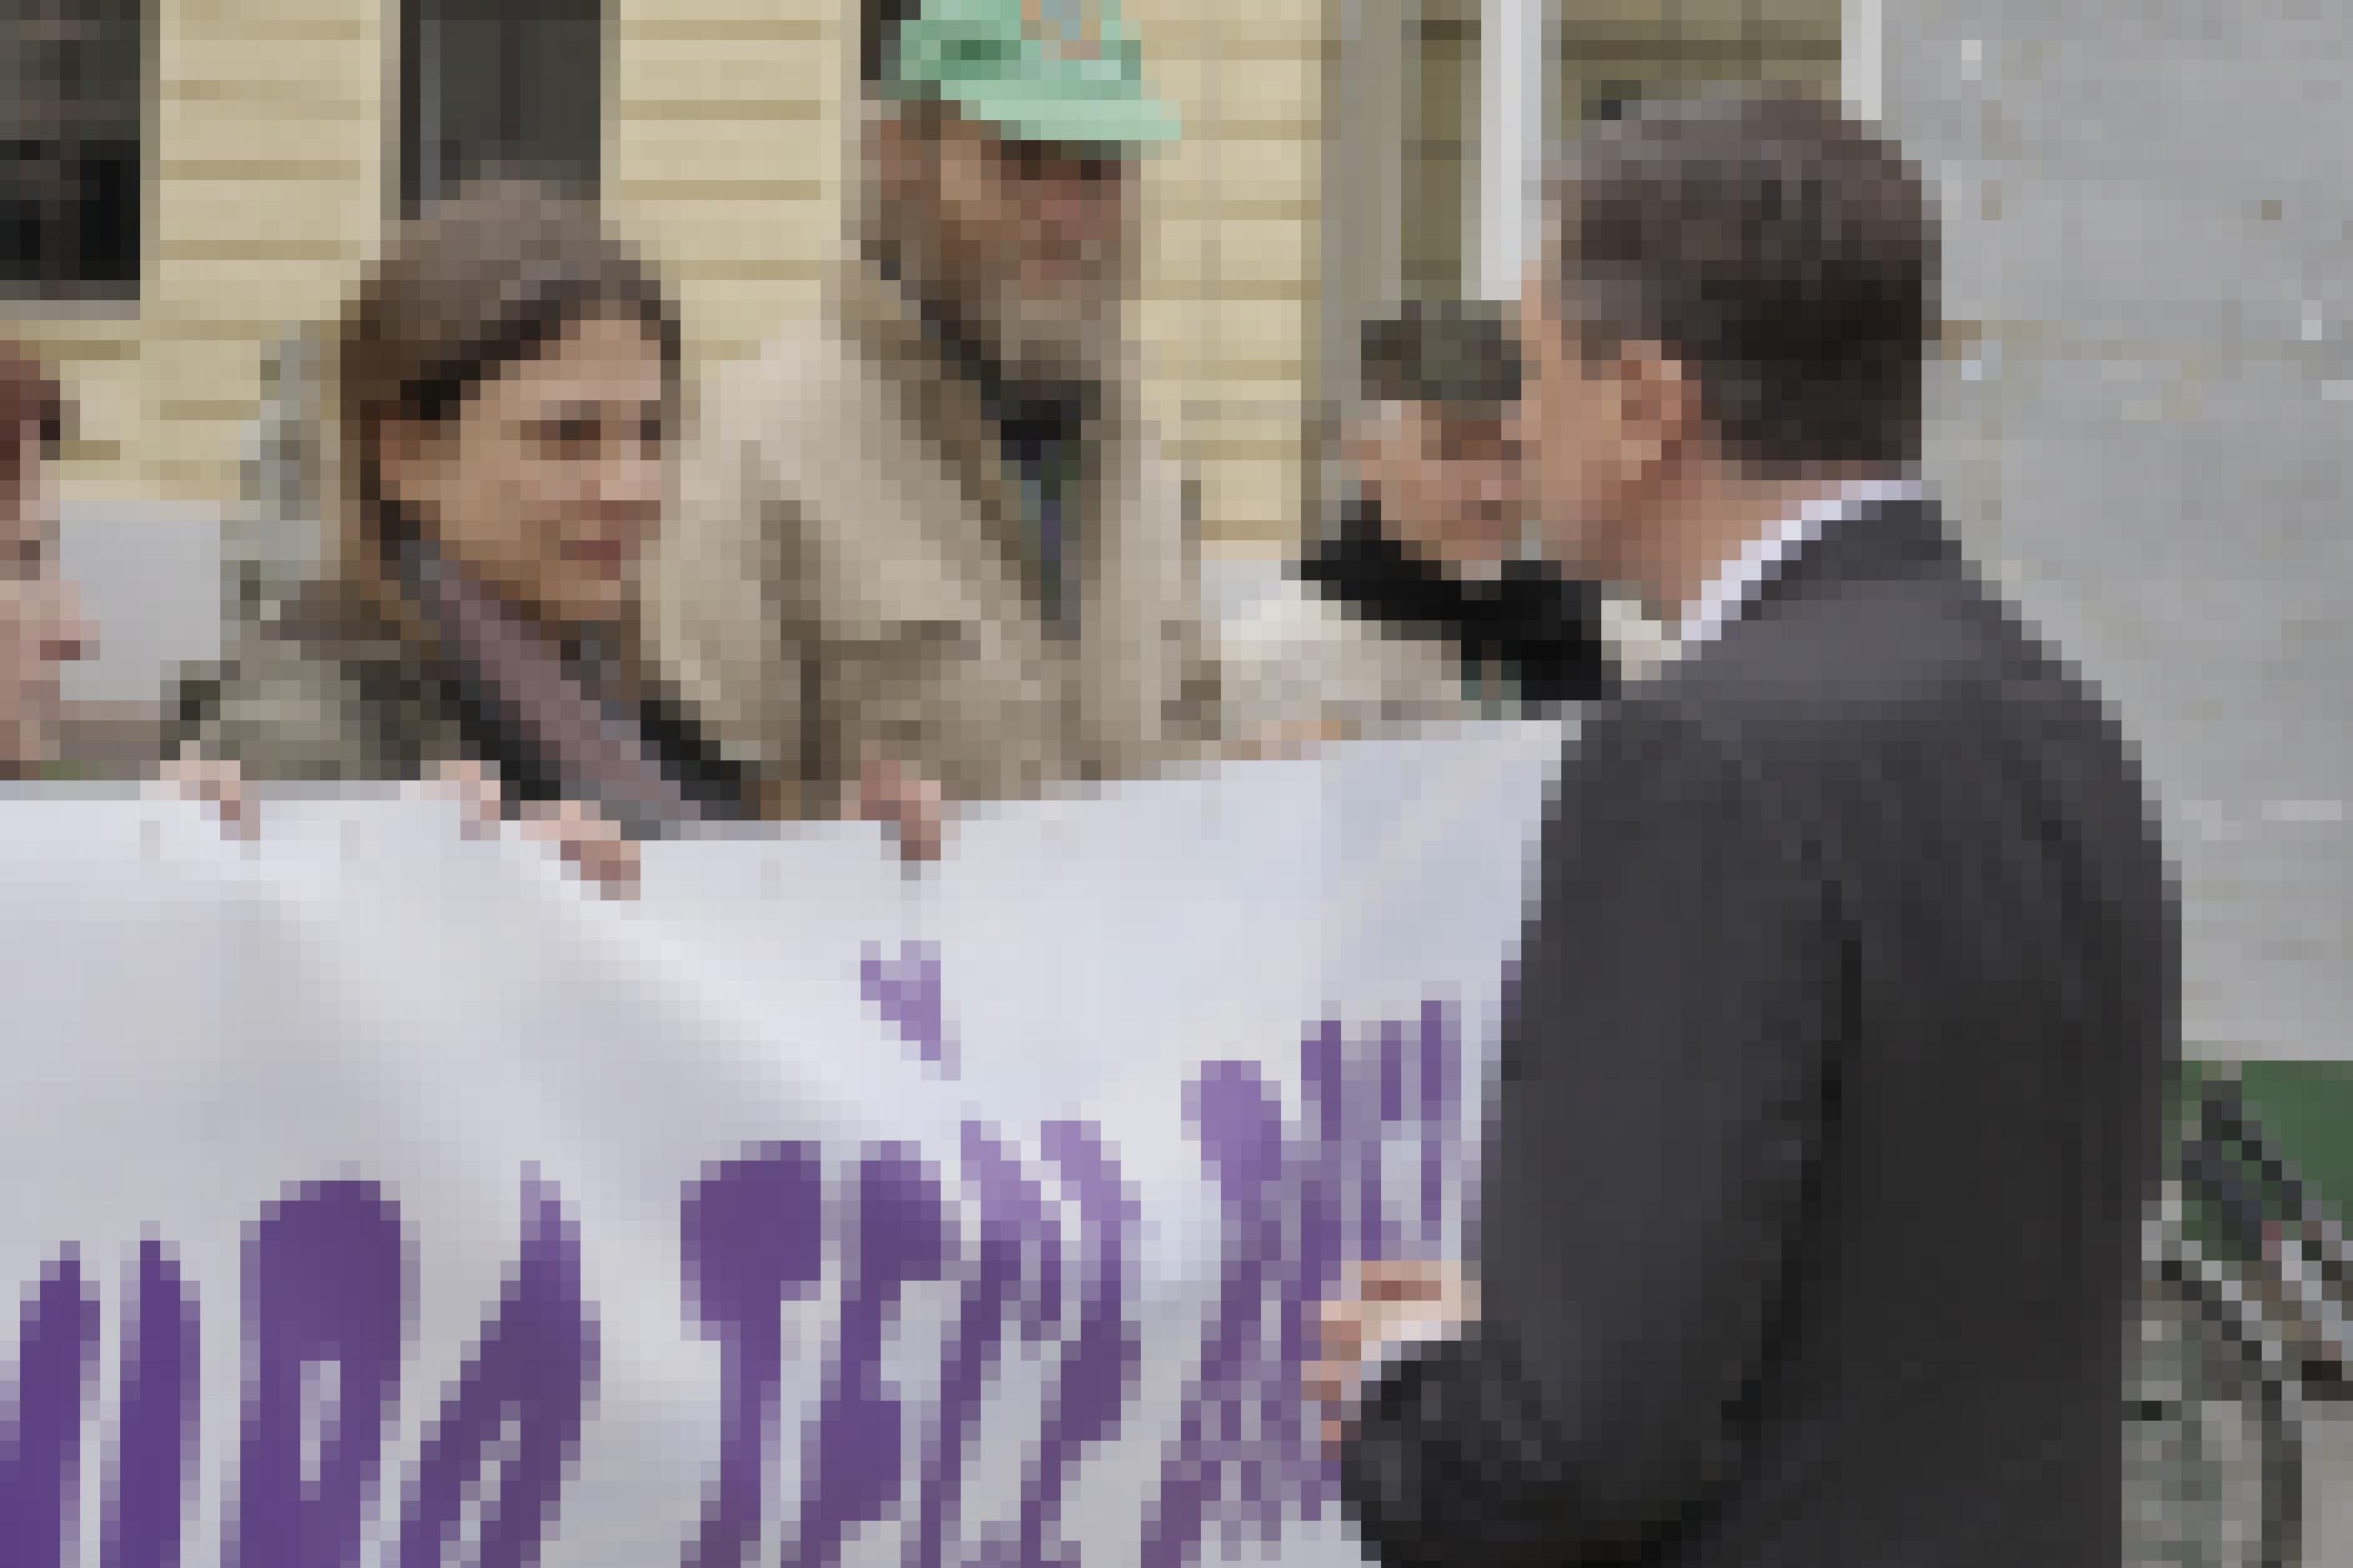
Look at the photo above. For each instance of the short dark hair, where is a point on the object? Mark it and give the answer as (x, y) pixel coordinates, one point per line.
(1780, 249)
(1458, 354)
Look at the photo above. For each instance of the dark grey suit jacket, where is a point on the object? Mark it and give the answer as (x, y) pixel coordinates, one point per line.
(1829, 1103)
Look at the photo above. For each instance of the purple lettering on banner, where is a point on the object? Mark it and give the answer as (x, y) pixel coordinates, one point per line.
(1441, 1069)
(535, 1366)
(1242, 1440)
(1099, 1363)
(906, 992)
(1376, 1229)
(1014, 1224)
(146, 1510)
(753, 1236)
(855, 1451)
(1318, 1189)
(40, 1426)
(1238, 1120)
(327, 1282)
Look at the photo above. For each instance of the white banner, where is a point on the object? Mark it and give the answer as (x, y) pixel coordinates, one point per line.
(374, 1195)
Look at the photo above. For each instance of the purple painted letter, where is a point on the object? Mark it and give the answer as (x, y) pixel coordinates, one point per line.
(752, 1232)
(155, 1456)
(326, 1289)
(40, 1424)
(536, 1363)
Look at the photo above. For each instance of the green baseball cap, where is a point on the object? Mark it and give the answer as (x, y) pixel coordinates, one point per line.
(1042, 70)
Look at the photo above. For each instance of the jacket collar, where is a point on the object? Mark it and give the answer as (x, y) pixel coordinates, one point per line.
(1736, 579)
(1898, 538)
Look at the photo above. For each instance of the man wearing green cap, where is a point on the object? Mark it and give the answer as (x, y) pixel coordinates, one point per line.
(926, 547)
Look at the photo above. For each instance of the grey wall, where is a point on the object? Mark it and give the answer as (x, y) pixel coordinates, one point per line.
(151, 577)
(2145, 201)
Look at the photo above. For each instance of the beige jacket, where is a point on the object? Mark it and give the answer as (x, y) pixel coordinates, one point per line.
(1298, 660)
(841, 568)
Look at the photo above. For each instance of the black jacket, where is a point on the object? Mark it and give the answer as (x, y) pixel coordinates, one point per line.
(1828, 1106)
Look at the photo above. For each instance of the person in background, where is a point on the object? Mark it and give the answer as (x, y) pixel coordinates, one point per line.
(506, 383)
(42, 625)
(1829, 1098)
(1420, 604)
(926, 550)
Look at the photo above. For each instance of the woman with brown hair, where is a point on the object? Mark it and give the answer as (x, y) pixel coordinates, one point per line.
(507, 385)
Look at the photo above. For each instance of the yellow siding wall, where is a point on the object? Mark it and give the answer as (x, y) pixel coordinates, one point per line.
(723, 154)
(1232, 219)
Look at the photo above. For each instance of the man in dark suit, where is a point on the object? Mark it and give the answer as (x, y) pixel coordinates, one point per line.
(1829, 1092)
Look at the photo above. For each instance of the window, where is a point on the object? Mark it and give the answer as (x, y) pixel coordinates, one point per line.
(1608, 64)
(512, 86)
(71, 107)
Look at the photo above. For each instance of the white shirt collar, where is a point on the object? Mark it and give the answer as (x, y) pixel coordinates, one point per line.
(1738, 582)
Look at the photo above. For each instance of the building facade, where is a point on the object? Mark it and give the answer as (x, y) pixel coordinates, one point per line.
(206, 176)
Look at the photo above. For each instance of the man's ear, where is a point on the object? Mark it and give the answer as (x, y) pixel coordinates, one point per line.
(1658, 402)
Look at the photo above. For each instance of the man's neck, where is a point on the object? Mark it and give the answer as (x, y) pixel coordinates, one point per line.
(1711, 520)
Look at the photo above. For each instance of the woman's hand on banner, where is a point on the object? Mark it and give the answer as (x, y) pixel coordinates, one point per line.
(1291, 739)
(588, 842)
(475, 790)
(215, 783)
(911, 806)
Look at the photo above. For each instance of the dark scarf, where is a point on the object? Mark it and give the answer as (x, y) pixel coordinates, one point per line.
(1542, 629)
(1039, 438)
(539, 713)
(1037, 431)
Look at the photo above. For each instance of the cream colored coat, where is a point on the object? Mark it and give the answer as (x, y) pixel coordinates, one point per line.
(841, 570)
(1299, 661)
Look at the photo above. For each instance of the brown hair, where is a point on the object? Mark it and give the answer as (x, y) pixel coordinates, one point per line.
(29, 403)
(1780, 249)
(1457, 354)
(479, 283)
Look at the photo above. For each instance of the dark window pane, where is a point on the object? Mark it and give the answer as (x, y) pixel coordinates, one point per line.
(109, 216)
(511, 87)
(71, 120)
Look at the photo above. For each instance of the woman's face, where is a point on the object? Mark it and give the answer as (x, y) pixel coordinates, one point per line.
(41, 624)
(547, 483)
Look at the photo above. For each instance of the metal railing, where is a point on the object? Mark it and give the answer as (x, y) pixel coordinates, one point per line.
(2244, 1324)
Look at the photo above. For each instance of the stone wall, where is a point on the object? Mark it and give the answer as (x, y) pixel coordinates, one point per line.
(2149, 430)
